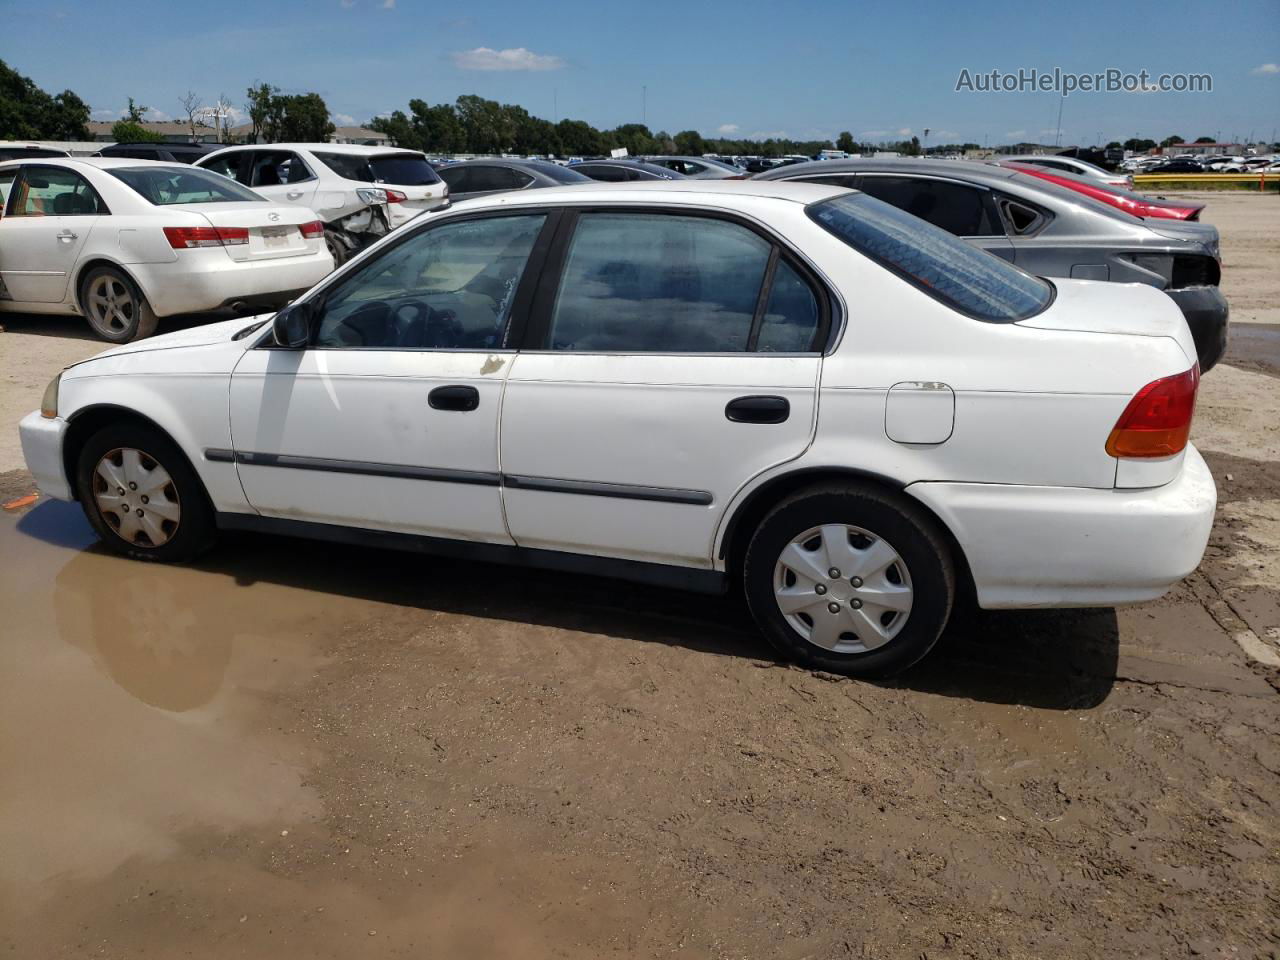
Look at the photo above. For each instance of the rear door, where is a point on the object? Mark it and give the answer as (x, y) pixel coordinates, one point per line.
(963, 209)
(282, 176)
(672, 356)
(48, 216)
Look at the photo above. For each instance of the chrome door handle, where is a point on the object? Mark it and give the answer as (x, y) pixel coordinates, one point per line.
(66, 235)
(293, 194)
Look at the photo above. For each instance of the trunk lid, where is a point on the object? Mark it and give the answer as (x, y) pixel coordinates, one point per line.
(273, 229)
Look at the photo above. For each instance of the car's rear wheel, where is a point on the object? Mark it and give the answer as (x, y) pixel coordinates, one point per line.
(337, 249)
(850, 579)
(115, 307)
(141, 495)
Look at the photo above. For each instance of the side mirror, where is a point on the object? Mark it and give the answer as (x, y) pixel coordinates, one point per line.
(292, 326)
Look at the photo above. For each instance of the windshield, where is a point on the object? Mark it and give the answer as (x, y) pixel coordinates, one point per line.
(946, 268)
(165, 186)
(396, 169)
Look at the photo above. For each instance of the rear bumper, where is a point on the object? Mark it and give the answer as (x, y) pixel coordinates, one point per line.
(201, 282)
(42, 449)
(1206, 311)
(1070, 547)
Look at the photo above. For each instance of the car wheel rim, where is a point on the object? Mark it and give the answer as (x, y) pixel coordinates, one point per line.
(136, 497)
(842, 588)
(111, 305)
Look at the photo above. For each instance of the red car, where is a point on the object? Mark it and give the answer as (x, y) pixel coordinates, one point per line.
(1126, 200)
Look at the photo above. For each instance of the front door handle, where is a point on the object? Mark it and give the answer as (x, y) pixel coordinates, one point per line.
(67, 235)
(456, 396)
(758, 409)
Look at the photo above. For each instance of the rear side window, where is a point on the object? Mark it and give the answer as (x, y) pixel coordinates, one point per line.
(606, 173)
(948, 269)
(228, 164)
(272, 168)
(954, 207)
(659, 283)
(164, 186)
(497, 178)
(55, 192)
(458, 179)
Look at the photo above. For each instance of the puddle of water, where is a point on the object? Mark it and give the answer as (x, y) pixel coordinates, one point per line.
(132, 699)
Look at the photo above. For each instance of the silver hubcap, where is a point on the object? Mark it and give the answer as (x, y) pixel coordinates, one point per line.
(843, 588)
(111, 306)
(137, 498)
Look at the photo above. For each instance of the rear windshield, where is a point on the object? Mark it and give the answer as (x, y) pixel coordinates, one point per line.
(165, 186)
(397, 169)
(968, 279)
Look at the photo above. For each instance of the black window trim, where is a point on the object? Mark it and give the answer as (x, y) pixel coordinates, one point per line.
(517, 318)
(103, 209)
(984, 192)
(538, 330)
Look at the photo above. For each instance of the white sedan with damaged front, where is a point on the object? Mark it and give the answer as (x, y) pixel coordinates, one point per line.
(124, 242)
(792, 389)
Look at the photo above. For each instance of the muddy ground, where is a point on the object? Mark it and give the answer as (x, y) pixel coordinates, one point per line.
(297, 750)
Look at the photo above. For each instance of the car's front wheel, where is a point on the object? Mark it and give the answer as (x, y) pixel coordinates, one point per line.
(115, 307)
(850, 579)
(141, 495)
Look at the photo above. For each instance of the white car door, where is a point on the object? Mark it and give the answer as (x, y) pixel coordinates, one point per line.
(675, 356)
(389, 419)
(47, 219)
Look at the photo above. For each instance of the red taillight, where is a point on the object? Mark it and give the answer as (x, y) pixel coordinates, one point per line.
(1157, 421)
(313, 230)
(187, 238)
(395, 196)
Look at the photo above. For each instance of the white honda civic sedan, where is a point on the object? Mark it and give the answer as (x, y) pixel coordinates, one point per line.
(123, 242)
(794, 388)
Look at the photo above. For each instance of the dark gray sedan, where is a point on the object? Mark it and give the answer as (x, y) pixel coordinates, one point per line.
(478, 178)
(699, 168)
(624, 171)
(1048, 230)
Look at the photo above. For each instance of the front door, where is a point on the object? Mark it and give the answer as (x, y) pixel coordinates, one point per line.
(672, 357)
(47, 218)
(389, 420)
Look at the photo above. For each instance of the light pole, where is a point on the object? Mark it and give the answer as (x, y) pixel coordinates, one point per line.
(644, 106)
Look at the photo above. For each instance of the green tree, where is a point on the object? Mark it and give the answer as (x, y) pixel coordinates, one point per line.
(130, 131)
(258, 107)
(28, 113)
(1205, 140)
(1170, 141)
(135, 112)
(689, 143)
(634, 136)
(846, 142)
(578, 138)
(302, 118)
(1137, 145)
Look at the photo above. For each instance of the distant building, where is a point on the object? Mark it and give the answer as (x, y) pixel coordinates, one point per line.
(1206, 149)
(980, 154)
(173, 132)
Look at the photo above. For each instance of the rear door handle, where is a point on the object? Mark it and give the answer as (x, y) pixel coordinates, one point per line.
(758, 409)
(456, 396)
(67, 235)
(293, 194)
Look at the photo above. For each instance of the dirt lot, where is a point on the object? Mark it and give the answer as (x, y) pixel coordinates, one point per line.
(290, 751)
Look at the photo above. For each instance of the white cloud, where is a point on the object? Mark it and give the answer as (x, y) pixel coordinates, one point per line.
(1016, 133)
(388, 4)
(514, 58)
(1264, 69)
(904, 132)
(1050, 131)
(725, 129)
(157, 116)
(944, 133)
(348, 4)
(874, 133)
(343, 119)
(769, 135)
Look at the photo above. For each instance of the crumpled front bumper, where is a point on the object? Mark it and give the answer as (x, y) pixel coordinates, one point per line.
(42, 449)
(1206, 311)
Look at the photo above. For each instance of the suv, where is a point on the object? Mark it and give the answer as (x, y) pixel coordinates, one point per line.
(170, 152)
(361, 193)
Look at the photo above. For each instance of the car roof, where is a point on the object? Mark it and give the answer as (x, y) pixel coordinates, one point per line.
(504, 162)
(101, 163)
(718, 193)
(940, 168)
(351, 149)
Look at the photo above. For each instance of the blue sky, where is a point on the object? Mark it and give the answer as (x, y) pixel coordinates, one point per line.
(736, 67)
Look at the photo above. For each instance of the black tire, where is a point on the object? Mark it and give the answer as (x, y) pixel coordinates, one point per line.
(337, 248)
(132, 318)
(890, 517)
(192, 533)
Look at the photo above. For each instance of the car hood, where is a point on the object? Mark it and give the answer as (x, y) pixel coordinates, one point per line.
(1129, 309)
(204, 335)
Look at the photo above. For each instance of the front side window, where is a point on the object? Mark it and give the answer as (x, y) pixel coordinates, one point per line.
(54, 192)
(947, 268)
(658, 283)
(164, 186)
(954, 207)
(448, 288)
